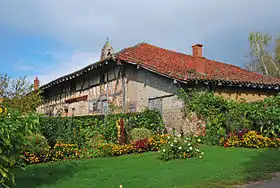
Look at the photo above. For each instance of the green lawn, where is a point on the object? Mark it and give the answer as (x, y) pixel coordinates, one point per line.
(219, 168)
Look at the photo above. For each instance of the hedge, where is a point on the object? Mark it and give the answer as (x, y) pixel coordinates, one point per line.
(73, 129)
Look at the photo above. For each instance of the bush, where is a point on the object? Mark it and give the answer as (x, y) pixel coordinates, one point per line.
(140, 133)
(141, 145)
(179, 148)
(34, 143)
(74, 129)
(14, 128)
(224, 116)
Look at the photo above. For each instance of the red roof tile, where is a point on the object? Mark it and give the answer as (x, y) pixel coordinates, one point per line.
(181, 66)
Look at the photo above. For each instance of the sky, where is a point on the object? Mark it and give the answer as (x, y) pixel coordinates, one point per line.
(52, 38)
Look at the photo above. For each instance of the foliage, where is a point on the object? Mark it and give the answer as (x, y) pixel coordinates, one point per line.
(34, 143)
(13, 132)
(59, 152)
(140, 133)
(250, 139)
(220, 167)
(180, 148)
(223, 116)
(157, 140)
(80, 130)
(141, 145)
(138, 146)
(149, 119)
(18, 94)
(262, 60)
(121, 131)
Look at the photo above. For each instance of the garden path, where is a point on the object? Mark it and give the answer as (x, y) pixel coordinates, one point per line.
(273, 183)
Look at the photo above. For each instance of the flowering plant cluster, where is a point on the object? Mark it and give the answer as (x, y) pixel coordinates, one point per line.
(249, 139)
(59, 152)
(138, 146)
(180, 148)
(157, 140)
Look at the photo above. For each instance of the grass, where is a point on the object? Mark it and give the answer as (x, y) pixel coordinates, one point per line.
(220, 167)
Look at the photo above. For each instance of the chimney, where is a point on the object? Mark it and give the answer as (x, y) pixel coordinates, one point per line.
(197, 50)
(36, 84)
(198, 64)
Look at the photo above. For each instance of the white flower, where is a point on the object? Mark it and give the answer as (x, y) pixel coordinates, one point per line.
(179, 135)
(171, 145)
(175, 140)
(199, 140)
(189, 144)
(202, 153)
(180, 147)
(200, 157)
(190, 148)
(185, 141)
(163, 150)
(168, 137)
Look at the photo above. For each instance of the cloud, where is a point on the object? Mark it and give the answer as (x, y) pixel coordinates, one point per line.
(176, 24)
(24, 67)
(65, 65)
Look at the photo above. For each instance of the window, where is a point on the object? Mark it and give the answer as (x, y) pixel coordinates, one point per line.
(104, 106)
(155, 104)
(132, 108)
(95, 106)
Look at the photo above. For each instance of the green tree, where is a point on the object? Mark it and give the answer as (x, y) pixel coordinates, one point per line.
(13, 132)
(18, 94)
(263, 60)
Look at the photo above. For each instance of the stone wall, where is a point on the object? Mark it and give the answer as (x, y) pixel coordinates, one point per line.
(246, 94)
(144, 86)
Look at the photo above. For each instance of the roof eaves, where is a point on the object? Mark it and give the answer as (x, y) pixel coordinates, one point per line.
(74, 74)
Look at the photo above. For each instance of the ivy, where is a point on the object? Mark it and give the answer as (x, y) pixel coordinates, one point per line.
(223, 116)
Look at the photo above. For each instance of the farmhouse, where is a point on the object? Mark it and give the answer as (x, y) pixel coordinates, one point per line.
(146, 76)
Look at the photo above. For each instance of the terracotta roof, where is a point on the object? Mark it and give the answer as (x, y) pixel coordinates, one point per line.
(182, 67)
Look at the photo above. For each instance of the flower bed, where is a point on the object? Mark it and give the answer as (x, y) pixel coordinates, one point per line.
(180, 148)
(249, 139)
(175, 148)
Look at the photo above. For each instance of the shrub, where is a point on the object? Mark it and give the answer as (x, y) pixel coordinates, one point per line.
(140, 133)
(34, 143)
(141, 145)
(149, 119)
(224, 116)
(122, 136)
(75, 129)
(179, 148)
(14, 128)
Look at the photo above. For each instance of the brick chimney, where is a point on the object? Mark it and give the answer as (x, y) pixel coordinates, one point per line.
(36, 84)
(197, 50)
(198, 64)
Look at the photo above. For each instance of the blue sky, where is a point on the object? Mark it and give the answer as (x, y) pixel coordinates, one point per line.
(51, 38)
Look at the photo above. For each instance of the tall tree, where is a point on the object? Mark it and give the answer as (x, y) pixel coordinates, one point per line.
(262, 60)
(18, 93)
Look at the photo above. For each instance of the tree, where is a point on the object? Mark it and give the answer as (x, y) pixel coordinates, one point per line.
(18, 94)
(262, 60)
